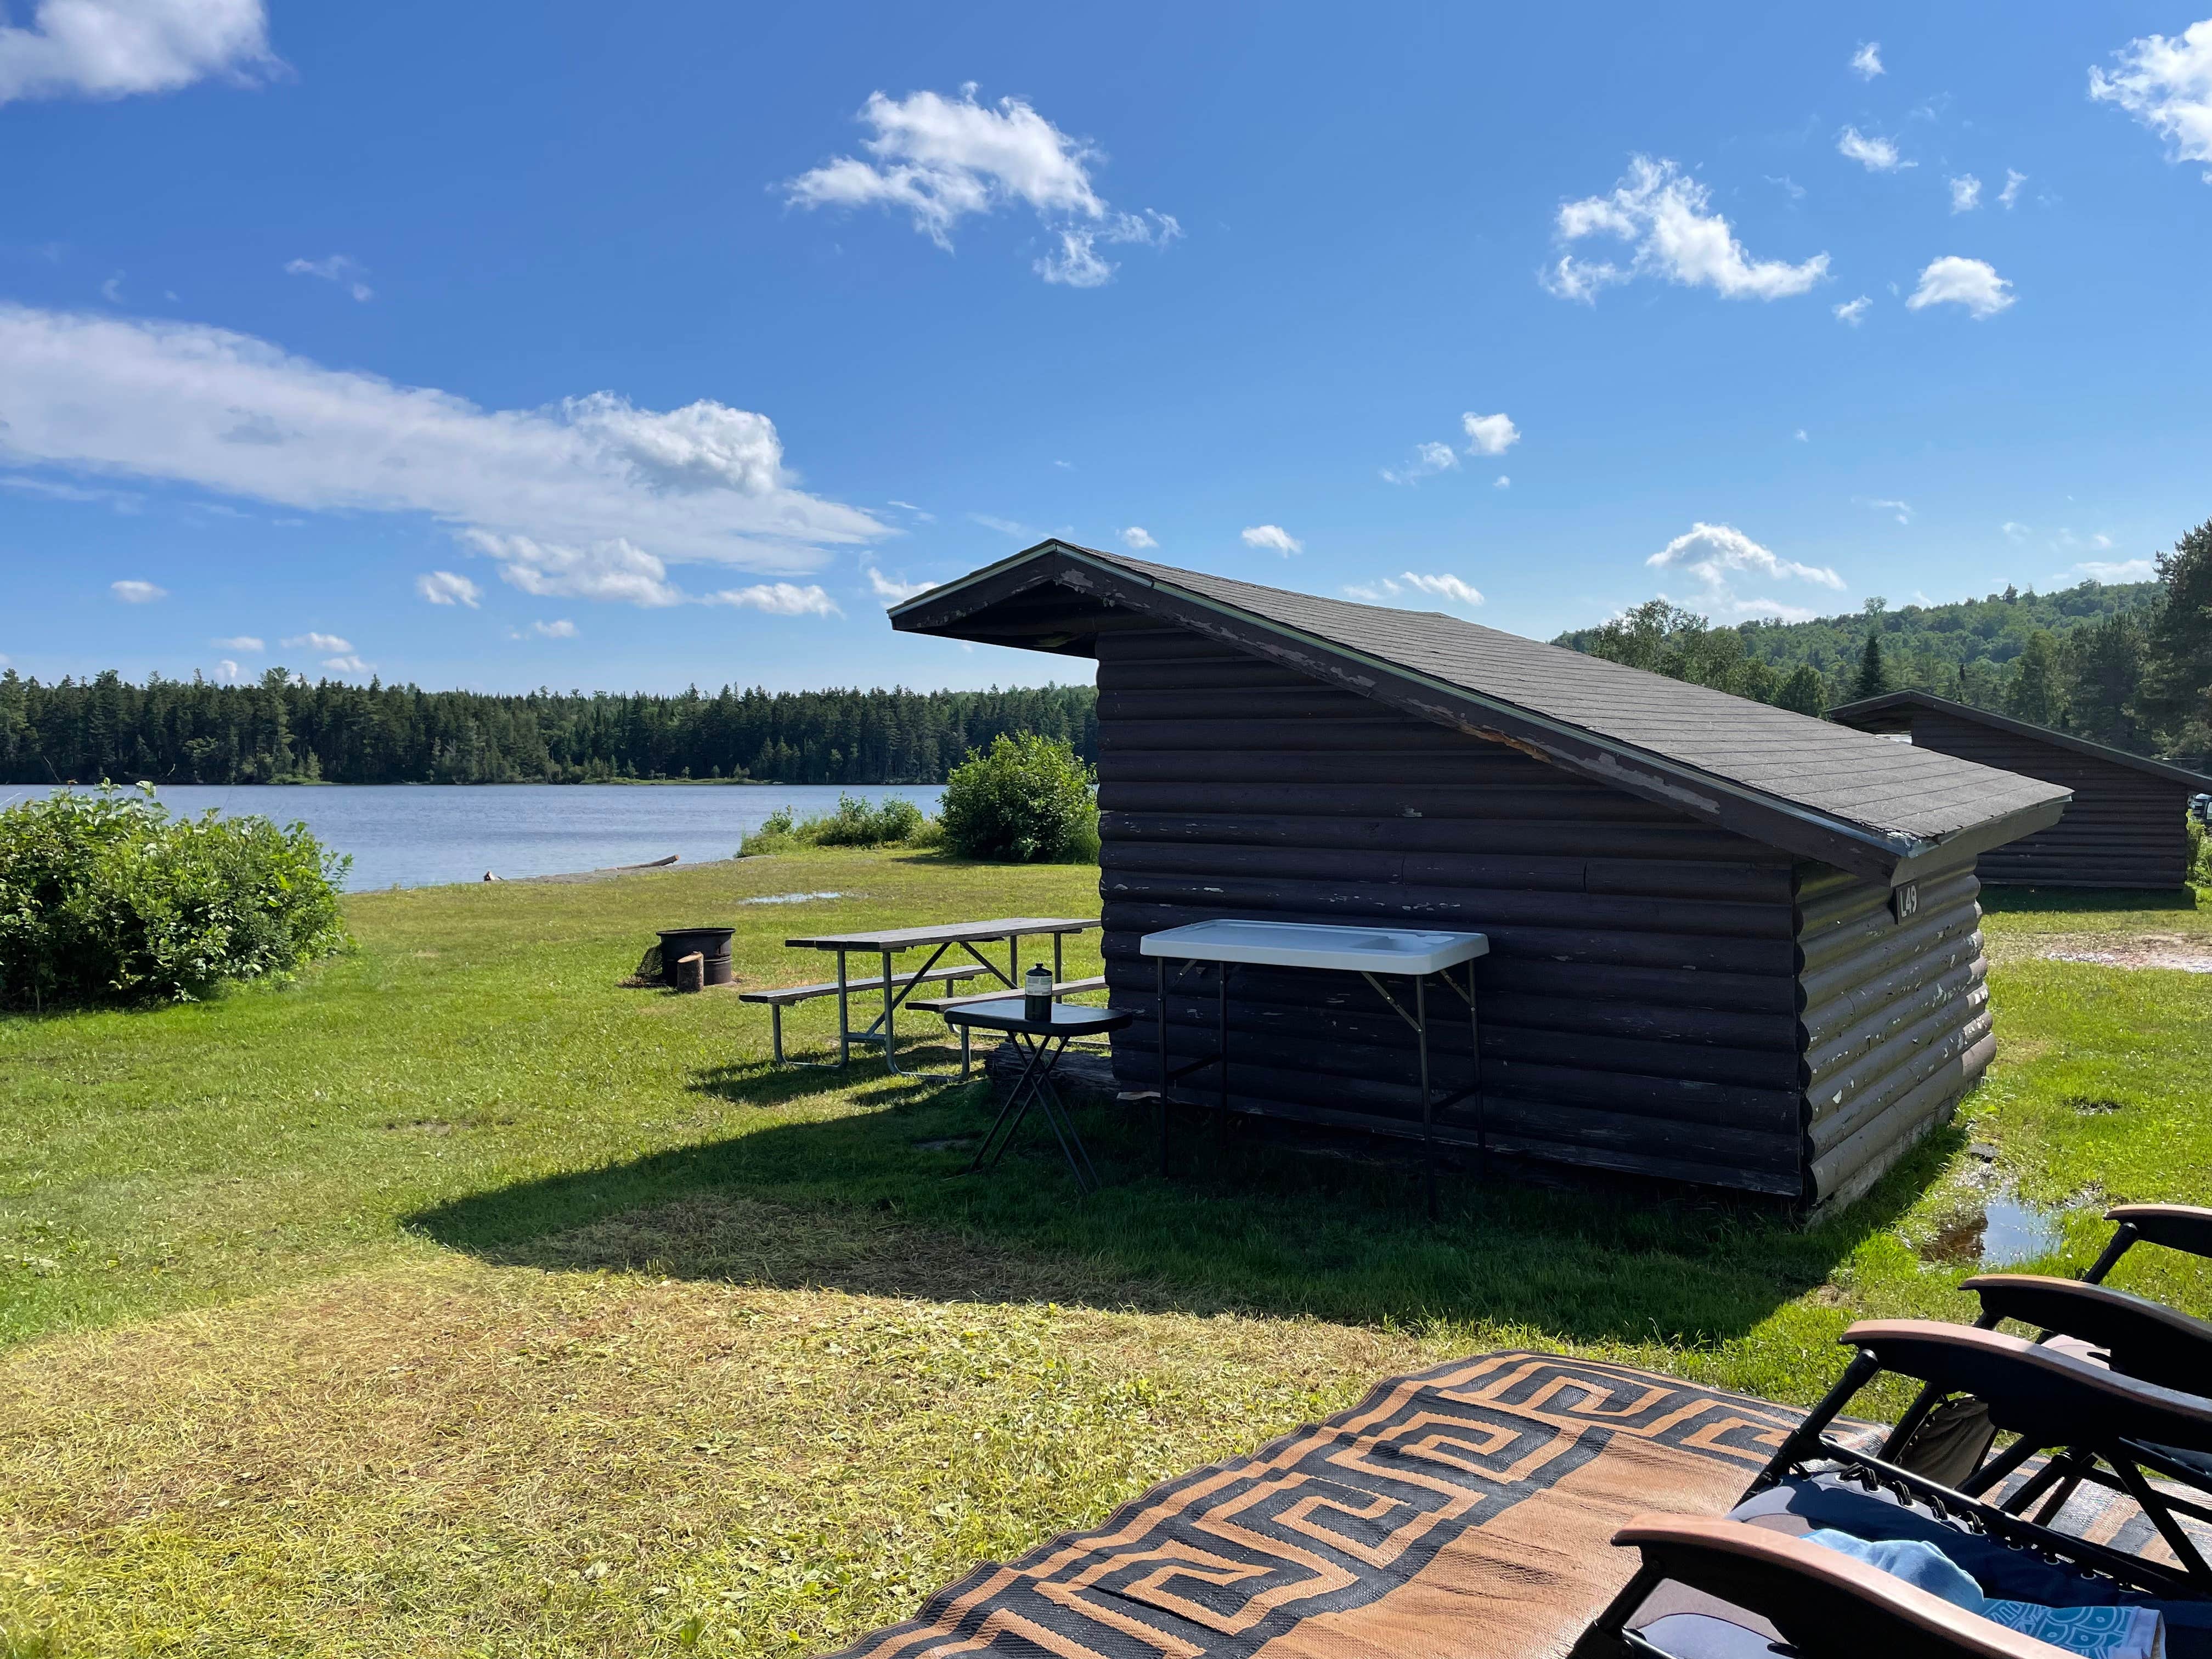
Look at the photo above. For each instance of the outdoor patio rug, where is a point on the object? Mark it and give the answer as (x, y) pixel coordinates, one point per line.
(1465, 1510)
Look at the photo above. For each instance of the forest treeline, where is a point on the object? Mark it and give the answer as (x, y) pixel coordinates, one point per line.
(282, 730)
(2130, 664)
(2124, 663)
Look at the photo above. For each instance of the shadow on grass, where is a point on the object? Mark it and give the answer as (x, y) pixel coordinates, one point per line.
(875, 1201)
(2087, 900)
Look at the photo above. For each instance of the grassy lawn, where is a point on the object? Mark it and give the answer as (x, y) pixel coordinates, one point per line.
(454, 1300)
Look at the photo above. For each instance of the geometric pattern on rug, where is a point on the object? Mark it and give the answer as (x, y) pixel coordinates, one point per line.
(1333, 1517)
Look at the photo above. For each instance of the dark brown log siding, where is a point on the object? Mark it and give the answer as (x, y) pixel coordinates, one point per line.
(1895, 1020)
(2125, 828)
(1640, 1006)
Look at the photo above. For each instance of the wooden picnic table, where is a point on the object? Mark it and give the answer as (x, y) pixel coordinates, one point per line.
(937, 938)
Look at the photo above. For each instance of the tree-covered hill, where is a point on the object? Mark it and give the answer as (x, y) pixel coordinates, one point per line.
(284, 730)
(2128, 664)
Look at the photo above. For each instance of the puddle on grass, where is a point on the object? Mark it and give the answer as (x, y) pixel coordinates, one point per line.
(794, 898)
(2006, 1231)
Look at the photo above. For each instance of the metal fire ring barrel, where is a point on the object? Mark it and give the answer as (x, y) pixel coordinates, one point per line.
(712, 942)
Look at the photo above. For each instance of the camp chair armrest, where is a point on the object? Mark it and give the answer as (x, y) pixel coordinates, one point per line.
(1823, 1602)
(2178, 1226)
(2146, 1340)
(2037, 1392)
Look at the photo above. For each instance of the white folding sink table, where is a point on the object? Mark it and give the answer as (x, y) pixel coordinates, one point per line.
(1373, 953)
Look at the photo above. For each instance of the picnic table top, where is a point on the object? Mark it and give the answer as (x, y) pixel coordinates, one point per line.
(943, 933)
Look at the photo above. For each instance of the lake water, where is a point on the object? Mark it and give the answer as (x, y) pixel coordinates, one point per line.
(416, 834)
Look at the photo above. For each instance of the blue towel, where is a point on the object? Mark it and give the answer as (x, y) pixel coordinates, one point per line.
(2096, 1632)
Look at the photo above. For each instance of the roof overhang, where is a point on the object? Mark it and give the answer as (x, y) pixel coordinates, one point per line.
(1903, 703)
(1055, 597)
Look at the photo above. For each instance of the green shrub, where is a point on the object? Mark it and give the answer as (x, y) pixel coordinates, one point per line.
(856, 824)
(891, 822)
(2200, 853)
(105, 897)
(1026, 800)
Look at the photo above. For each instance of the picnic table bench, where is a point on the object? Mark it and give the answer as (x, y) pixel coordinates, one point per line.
(781, 996)
(894, 987)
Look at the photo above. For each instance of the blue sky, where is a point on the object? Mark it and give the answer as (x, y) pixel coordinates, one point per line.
(504, 344)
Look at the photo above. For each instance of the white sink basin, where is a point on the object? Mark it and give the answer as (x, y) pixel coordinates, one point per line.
(1312, 945)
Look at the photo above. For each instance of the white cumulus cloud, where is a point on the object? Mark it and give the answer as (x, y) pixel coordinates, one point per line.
(2124, 570)
(137, 592)
(315, 641)
(114, 48)
(1666, 219)
(1867, 60)
(2167, 84)
(347, 663)
(561, 629)
(941, 160)
(779, 599)
(447, 587)
(1875, 155)
(226, 670)
(338, 268)
(1902, 511)
(1502, 482)
(228, 413)
(1428, 458)
(1451, 588)
(1137, 539)
(1972, 283)
(239, 642)
(1715, 553)
(617, 571)
(1853, 311)
(1966, 193)
(1489, 435)
(2010, 193)
(891, 593)
(1274, 538)
(1445, 587)
(2016, 531)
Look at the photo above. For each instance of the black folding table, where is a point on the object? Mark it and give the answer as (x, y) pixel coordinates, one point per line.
(1042, 1042)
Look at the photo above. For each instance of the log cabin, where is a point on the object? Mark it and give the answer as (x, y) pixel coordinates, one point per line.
(2126, 828)
(1730, 946)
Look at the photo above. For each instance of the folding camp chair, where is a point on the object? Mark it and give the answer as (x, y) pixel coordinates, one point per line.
(1826, 1605)
(1950, 1438)
(2046, 1396)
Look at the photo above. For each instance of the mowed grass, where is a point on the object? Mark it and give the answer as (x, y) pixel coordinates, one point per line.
(454, 1300)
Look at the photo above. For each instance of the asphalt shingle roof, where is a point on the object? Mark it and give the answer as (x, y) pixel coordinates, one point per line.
(1607, 719)
(1892, 789)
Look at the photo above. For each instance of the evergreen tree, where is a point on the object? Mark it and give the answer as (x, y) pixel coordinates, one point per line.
(1873, 678)
(2177, 693)
(2034, 693)
(2102, 669)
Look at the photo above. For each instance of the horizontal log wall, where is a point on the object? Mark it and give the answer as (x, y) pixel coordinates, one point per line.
(1895, 1019)
(1638, 1009)
(2125, 828)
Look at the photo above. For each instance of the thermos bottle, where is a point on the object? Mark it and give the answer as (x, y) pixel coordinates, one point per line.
(1037, 994)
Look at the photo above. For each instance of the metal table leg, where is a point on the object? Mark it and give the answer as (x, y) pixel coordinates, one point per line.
(1221, 1041)
(1428, 1113)
(1481, 1115)
(844, 1018)
(1160, 1009)
(1034, 1088)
